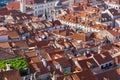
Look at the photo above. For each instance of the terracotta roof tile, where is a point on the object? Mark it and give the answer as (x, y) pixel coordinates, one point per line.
(114, 33)
(10, 75)
(114, 12)
(56, 22)
(19, 44)
(14, 5)
(84, 75)
(63, 62)
(38, 67)
(4, 11)
(43, 43)
(4, 45)
(79, 36)
(13, 35)
(113, 74)
(103, 58)
(100, 26)
(87, 63)
(4, 54)
(31, 54)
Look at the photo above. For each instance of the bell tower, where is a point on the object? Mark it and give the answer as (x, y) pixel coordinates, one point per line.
(22, 6)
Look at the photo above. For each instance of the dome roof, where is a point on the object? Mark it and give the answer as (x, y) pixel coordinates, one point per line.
(58, 4)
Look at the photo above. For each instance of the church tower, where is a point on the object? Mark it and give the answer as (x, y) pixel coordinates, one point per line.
(22, 6)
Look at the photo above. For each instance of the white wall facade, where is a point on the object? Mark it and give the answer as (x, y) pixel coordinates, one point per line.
(3, 38)
(115, 6)
(39, 9)
(117, 23)
(108, 23)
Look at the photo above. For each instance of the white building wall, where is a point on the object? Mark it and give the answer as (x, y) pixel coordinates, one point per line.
(115, 6)
(109, 23)
(39, 9)
(99, 70)
(117, 23)
(44, 76)
(3, 38)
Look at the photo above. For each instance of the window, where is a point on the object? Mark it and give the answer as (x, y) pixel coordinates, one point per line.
(35, 12)
(35, 7)
(110, 64)
(102, 67)
(117, 37)
(39, 11)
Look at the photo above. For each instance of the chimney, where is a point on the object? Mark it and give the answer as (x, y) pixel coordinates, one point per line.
(87, 51)
(61, 69)
(99, 50)
(44, 62)
(48, 67)
(64, 78)
(38, 53)
(54, 76)
(11, 13)
(8, 67)
(92, 55)
(76, 62)
(58, 66)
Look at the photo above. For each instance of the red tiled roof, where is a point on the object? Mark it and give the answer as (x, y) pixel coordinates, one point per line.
(114, 33)
(113, 74)
(4, 45)
(10, 75)
(84, 75)
(31, 54)
(38, 67)
(14, 5)
(42, 43)
(63, 62)
(5, 54)
(79, 36)
(56, 22)
(19, 44)
(4, 11)
(103, 58)
(87, 63)
(100, 26)
(114, 12)
(13, 34)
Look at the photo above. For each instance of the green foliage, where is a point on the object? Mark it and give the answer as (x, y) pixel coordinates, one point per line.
(67, 73)
(15, 63)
